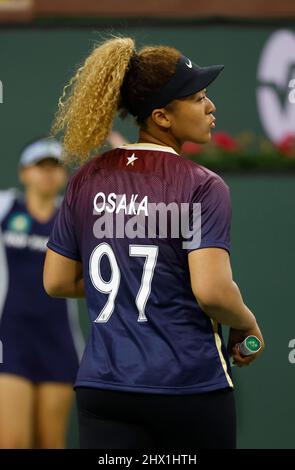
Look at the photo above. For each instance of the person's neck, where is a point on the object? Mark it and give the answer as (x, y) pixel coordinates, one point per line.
(41, 207)
(166, 140)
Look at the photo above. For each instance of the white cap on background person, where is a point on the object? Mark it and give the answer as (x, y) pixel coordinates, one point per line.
(40, 150)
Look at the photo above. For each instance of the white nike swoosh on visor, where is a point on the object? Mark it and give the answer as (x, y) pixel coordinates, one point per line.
(189, 64)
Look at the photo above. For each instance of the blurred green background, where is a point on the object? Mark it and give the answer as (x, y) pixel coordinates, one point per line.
(37, 62)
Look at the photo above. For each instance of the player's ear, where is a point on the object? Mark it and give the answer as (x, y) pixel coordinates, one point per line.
(161, 118)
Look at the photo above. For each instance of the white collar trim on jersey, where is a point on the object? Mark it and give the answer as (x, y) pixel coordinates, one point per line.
(148, 146)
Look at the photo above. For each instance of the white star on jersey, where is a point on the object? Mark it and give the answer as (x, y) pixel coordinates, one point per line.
(131, 159)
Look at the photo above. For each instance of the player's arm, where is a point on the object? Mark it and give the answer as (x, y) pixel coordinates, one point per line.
(216, 292)
(62, 276)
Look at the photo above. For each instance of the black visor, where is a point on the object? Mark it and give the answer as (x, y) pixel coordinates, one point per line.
(187, 80)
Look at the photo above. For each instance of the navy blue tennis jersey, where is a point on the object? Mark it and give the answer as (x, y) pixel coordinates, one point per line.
(148, 333)
(40, 336)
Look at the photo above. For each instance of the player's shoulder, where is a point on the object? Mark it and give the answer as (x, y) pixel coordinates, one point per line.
(7, 198)
(80, 175)
(198, 176)
(95, 163)
(199, 171)
(8, 193)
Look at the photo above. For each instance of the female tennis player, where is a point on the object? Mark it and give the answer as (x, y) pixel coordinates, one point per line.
(40, 336)
(155, 372)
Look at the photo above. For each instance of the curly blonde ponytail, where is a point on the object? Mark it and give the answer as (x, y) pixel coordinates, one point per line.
(85, 116)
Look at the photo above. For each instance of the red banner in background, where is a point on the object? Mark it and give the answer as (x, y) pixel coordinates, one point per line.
(16, 10)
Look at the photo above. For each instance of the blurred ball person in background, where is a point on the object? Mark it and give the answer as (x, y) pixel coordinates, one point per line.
(155, 372)
(41, 337)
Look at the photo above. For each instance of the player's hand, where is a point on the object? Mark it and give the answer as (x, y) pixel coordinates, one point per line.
(238, 336)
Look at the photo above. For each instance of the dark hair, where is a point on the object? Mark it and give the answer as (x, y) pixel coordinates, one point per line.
(148, 71)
